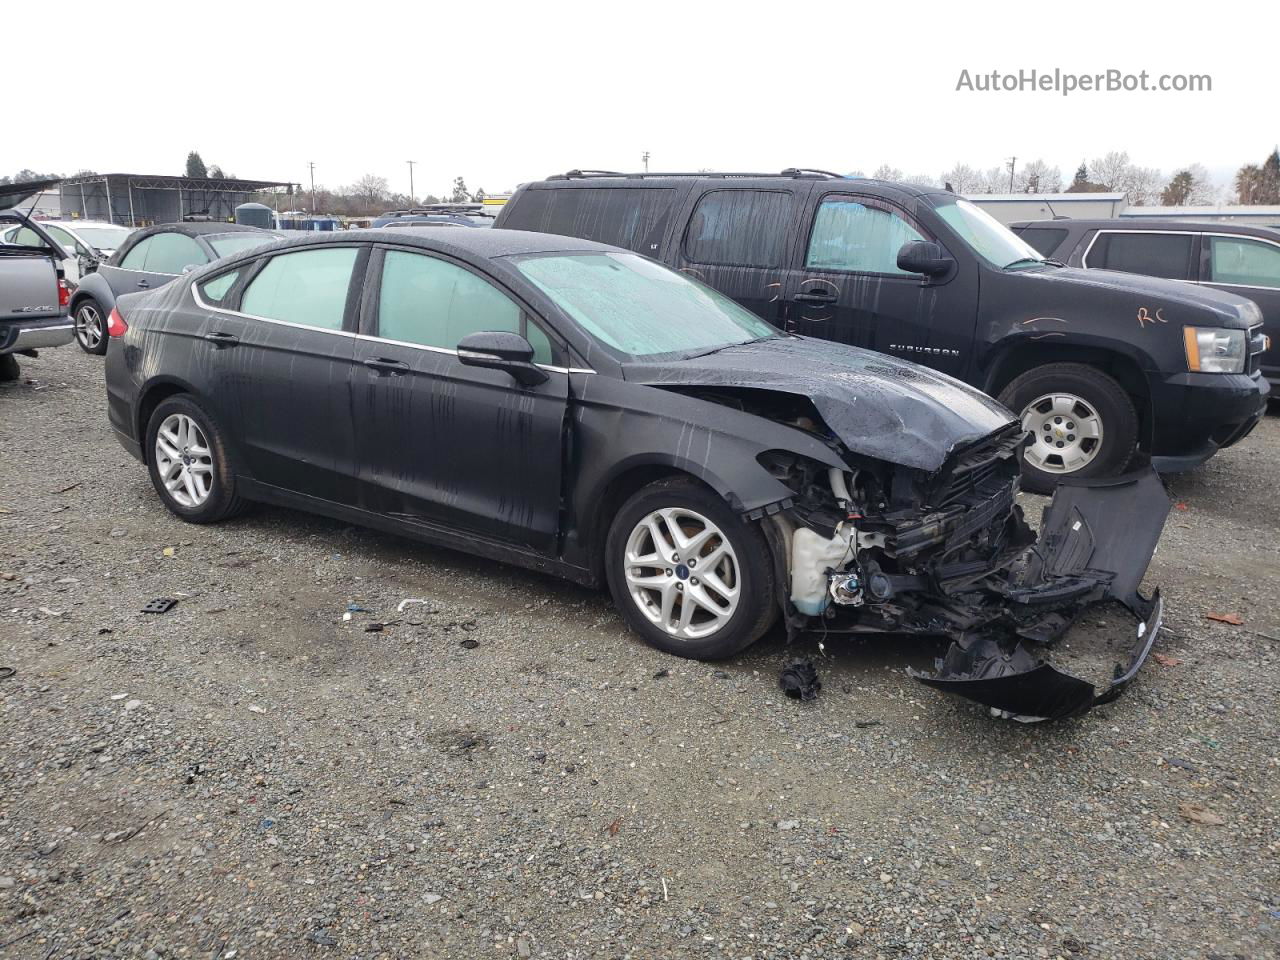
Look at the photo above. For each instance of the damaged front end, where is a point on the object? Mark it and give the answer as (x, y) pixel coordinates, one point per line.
(883, 548)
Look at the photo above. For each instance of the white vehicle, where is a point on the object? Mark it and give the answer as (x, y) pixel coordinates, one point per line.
(87, 241)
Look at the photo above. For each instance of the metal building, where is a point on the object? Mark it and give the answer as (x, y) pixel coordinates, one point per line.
(139, 200)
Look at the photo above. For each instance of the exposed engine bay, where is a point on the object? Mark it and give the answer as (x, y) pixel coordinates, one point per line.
(883, 548)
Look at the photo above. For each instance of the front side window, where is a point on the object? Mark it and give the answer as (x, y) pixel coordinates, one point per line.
(136, 258)
(739, 228)
(308, 287)
(434, 303)
(173, 253)
(848, 235)
(1243, 261)
(640, 308)
(1165, 255)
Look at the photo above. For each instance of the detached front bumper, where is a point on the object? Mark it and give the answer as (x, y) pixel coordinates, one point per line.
(1095, 543)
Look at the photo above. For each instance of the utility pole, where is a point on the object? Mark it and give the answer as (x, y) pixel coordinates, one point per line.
(645, 157)
(1013, 163)
(312, 166)
(411, 163)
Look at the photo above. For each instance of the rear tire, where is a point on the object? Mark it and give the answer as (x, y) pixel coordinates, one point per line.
(687, 573)
(190, 462)
(1084, 424)
(91, 326)
(9, 369)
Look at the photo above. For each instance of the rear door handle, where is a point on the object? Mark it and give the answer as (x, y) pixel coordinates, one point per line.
(144, 283)
(222, 339)
(816, 297)
(384, 367)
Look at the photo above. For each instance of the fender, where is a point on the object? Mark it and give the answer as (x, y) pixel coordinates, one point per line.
(93, 285)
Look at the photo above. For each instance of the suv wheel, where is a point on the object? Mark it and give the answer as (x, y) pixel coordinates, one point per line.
(91, 327)
(190, 463)
(687, 574)
(1083, 424)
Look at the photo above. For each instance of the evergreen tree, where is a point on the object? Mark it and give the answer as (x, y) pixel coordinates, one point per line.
(195, 166)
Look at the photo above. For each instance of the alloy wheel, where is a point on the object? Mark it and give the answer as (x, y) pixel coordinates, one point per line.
(89, 326)
(682, 573)
(184, 460)
(1066, 433)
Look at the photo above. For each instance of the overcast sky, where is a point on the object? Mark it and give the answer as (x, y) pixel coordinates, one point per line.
(503, 93)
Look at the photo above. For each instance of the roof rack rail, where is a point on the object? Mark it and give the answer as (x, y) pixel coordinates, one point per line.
(792, 173)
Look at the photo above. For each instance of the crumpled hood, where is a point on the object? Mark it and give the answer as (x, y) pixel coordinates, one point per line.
(879, 406)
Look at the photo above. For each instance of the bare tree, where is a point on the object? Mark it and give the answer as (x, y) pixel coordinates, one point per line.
(1038, 177)
(886, 172)
(964, 179)
(370, 190)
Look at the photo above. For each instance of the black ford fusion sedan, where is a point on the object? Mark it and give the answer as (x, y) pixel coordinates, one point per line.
(582, 410)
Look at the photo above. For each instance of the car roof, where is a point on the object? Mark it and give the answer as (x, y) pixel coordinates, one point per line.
(1154, 224)
(576, 178)
(201, 228)
(485, 244)
(73, 224)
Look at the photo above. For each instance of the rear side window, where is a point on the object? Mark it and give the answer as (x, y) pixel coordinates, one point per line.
(308, 288)
(1165, 255)
(136, 258)
(632, 217)
(434, 303)
(852, 236)
(1045, 240)
(1240, 260)
(739, 228)
(215, 291)
(172, 253)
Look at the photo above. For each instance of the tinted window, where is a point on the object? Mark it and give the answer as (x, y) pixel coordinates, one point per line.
(1165, 255)
(213, 291)
(1244, 261)
(26, 237)
(631, 217)
(308, 287)
(1044, 239)
(848, 235)
(434, 303)
(171, 252)
(741, 228)
(65, 240)
(136, 258)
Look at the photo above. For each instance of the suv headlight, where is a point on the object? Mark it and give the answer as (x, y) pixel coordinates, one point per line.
(1215, 349)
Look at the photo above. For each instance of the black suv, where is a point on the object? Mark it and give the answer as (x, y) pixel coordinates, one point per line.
(1100, 365)
(1225, 256)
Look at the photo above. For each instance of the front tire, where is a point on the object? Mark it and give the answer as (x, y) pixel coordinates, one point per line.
(1082, 422)
(91, 327)
(190, 463)
(9, 369)
(687, 574)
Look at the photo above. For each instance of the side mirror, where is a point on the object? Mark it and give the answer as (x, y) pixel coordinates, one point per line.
(502, 351)
(924, 256)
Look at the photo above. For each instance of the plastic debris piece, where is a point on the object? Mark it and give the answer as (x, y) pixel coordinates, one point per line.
(7, 672)
(1166, 661)
(404, 603)
(469, 644)
(799, 680)
(160, 605)
(1232, 618)
(356, 608)
(1199, 813)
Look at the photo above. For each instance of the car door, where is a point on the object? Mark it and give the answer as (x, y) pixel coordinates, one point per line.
(448, 445)
(74, 250)
(278, 342)
(1171, 254)
(739, 240)
(1250, 267)
(847, 285)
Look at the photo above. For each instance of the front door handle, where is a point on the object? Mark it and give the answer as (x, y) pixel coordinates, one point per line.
(220, 340)
(817, 296)
(384, 367)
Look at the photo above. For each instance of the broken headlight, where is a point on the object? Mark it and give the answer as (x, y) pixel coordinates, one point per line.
(1214, 349)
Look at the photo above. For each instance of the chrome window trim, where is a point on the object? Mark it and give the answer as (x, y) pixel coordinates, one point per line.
(1084, 257)
(200, 302)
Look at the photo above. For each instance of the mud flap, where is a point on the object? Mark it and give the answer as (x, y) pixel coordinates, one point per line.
(1096, 540)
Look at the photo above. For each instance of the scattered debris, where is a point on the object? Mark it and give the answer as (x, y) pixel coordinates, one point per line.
(51, 613)
(613, 828)
(863, 724)
(662, 674)
(356, 608)
(469, 643)
(69, 487)
(168, 551)
(254, 708)
(7, 672)
(799, 680)
(1166, 661)
(404, 603)
(132, 705)
(1199, 813)
(160, 605)
(430, 898)
(1232, 618)
(1181, 506)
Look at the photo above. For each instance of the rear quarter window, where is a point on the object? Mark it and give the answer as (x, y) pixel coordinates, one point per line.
(635, 218)
(1165, 255)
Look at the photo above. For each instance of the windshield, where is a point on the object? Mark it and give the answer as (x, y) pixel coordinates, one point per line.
(640, 308)
(987, 236)
(225, 244)
(103, 238)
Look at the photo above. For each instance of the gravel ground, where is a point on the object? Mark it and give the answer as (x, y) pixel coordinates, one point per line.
(504, 771)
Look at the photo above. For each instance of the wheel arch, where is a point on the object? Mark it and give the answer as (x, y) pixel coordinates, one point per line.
(154, 394)
(92, 287)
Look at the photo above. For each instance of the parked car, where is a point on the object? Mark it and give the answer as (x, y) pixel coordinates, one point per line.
(86, 242)
(33, 289)
(1095, 363)
(405, 218)
(149, 259)
(576, 408)
(1225, 256)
